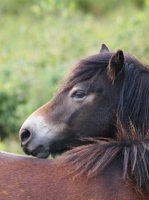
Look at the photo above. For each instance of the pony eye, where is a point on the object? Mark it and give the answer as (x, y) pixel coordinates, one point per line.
(79, 94)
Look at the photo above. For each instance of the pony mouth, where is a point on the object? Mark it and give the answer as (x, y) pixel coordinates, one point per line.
(39, 152)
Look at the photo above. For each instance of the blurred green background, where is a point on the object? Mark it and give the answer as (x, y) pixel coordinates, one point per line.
(41, 40)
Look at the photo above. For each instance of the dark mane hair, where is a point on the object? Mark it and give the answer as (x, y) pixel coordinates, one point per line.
(130, 147)
(133, 101)
(86, 69)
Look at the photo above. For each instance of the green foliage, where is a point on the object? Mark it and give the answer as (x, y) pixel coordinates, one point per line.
(41, 39)
(97, 7)
(10, 97)
(101, 7)
(54, 8)
(15, 6)
(8, 104)
(93, 6)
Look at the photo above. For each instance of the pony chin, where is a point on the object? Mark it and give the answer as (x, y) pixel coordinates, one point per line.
(41, 152)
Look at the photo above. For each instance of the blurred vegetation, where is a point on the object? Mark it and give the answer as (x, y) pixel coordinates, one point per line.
(41, 40)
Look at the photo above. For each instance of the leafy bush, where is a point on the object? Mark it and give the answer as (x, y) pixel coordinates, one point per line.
(15, 6)
(11, 96)
(101, 7)
(8, 105)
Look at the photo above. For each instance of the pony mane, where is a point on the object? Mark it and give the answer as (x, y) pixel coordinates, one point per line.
(130, 147)
(86, 69)
(134, 101)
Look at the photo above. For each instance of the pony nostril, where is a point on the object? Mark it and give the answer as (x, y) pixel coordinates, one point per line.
(25, 136)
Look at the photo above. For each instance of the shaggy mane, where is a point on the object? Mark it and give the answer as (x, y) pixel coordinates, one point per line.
(92, 66)
(130, 147)
(134, 101)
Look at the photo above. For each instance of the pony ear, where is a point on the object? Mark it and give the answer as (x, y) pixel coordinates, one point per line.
(116, 64)
(103, 48)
